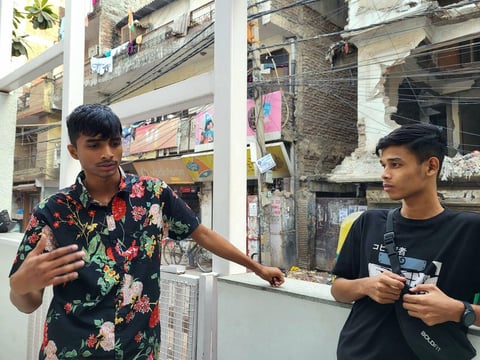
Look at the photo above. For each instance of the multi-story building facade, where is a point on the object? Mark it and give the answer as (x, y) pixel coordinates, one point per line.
(335, 78)
(417, 61)
(309, 108)
(37, 140)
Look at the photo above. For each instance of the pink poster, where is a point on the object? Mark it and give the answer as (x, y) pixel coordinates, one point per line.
(272, 118)
(272, 112)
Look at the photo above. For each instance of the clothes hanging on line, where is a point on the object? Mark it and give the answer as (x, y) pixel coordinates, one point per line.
(101, 65)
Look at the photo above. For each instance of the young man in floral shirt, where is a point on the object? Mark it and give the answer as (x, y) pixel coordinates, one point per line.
(98, 243)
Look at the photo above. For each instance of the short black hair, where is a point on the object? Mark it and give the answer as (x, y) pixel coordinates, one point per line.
(91, 120)
(423, 140)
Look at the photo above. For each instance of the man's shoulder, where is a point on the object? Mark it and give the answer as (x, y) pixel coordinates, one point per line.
(370, 218)
(463, 215)
(375, 214)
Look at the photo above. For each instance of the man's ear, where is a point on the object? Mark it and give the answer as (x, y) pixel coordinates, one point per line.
(73, 151)
(433, 165)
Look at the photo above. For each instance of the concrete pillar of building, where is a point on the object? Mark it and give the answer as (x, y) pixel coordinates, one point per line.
(74, 68)
(375, 59)
(8, 107)
(229, 175)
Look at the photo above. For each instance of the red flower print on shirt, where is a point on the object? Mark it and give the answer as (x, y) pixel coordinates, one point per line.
(32, 223)
(154, 317)
(138, 190)
(91, 341)
(45, 335)
(138, 337)
(142, 305)
(131, 253)
(119, 208)
(138, 212)
(68, 308)
(110, 254)
(33, 239)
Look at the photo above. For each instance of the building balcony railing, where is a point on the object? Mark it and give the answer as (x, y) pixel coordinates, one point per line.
(159, 51)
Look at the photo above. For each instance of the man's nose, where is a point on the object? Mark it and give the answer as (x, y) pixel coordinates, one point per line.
(385, 173)
(107, 152)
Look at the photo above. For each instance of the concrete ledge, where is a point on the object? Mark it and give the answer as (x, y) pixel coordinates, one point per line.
(292, 287)
(11, 238)
(299, 320)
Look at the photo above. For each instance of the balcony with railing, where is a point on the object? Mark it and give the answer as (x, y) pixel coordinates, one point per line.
(143, 55)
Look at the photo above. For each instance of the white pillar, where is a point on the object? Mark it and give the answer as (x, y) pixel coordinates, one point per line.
(73, 60)
(229, 174)
(8, 108)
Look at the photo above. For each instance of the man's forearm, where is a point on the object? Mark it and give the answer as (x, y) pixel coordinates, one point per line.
(348, 291)
(26, 303)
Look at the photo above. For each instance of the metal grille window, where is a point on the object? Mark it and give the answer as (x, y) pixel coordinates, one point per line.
(178, 317)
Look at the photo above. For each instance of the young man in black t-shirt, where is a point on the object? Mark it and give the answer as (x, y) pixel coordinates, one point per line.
(438, 248)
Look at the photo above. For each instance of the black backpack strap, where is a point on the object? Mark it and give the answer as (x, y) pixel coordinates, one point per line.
(389, 243)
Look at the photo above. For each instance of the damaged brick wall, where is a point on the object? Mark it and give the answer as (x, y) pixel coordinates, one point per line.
(325, 115)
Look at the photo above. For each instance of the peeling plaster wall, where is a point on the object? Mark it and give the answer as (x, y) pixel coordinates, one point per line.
(364, 13)
(387, 47)
(439, 33)
(376, 55)
(380, 48)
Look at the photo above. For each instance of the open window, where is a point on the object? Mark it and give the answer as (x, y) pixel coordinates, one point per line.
(440, 84)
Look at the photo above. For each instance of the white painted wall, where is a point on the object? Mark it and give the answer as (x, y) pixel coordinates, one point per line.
(14, 324)
(299, 320)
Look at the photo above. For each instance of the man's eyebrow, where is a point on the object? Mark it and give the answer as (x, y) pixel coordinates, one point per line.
(96, 139)
(93, 140)
(391, 159)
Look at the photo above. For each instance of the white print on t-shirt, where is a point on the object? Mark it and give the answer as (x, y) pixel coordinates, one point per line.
(415, 270)
(413, 277)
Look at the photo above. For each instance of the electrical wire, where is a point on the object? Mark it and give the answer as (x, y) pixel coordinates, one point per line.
(317, 79)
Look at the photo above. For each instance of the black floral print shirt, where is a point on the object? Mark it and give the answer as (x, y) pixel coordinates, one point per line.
(111, 310)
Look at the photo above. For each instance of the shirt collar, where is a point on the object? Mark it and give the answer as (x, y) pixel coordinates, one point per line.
(81, 191)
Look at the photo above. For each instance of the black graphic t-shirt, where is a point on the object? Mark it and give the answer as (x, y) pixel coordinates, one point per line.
(442, 250)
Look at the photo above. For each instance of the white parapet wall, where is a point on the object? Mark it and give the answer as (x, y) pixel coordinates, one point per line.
(299, 320)
(14, 324)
